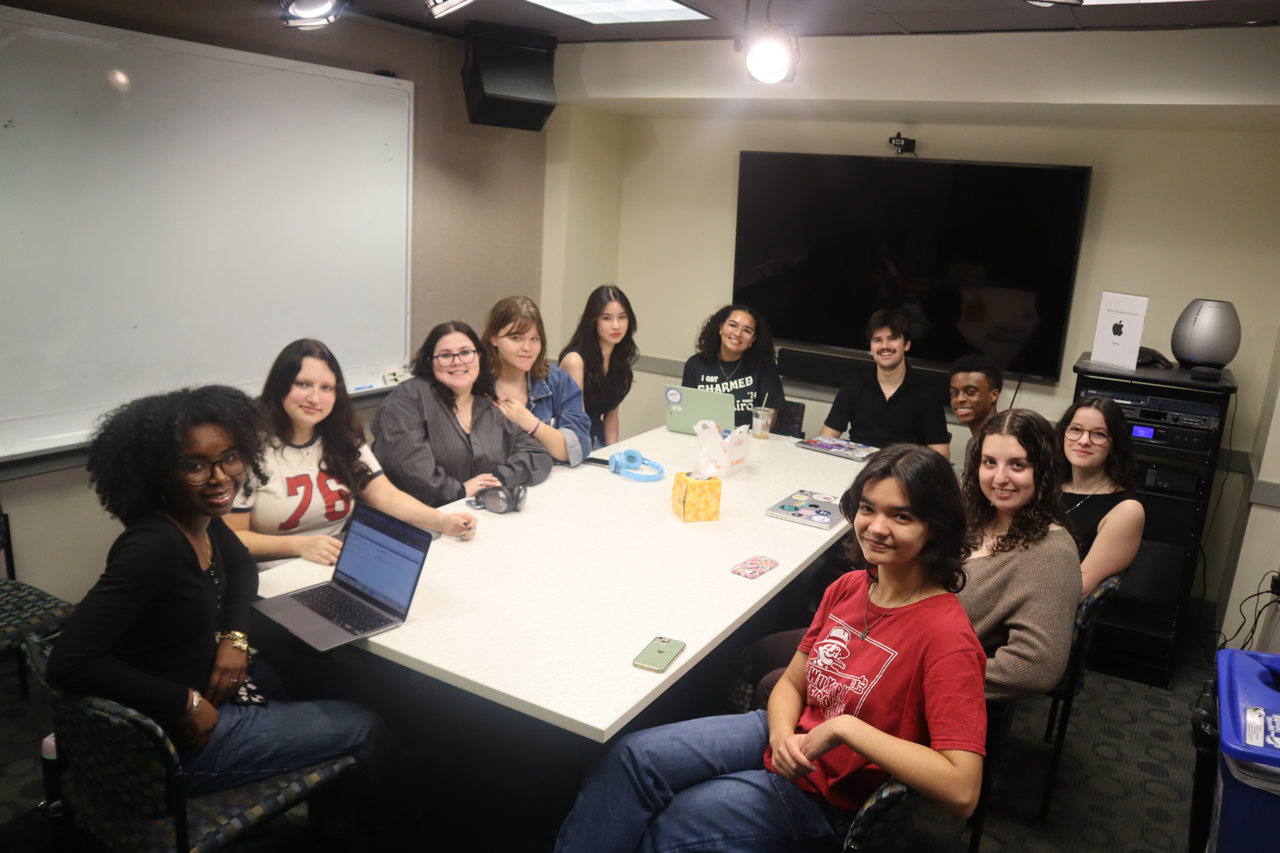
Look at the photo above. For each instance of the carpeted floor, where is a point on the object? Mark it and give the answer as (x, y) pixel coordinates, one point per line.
(1124, 784)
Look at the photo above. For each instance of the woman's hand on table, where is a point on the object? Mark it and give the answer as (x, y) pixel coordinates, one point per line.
(789, 761)
(199, 729)
(461, 525)
(319, 549)
(478, 482)
(229, 670)
(518, 414)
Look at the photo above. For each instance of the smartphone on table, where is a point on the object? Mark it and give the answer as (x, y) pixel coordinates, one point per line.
(659, 654)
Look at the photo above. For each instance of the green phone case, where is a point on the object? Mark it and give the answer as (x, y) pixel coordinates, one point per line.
(659, 654)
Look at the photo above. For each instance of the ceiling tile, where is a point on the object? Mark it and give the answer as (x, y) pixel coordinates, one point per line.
(1178, 14)
(986, 21)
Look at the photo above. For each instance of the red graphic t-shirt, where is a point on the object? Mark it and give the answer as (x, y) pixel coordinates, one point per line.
(918, 675)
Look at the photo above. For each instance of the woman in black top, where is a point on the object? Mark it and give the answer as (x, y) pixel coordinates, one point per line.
(599, 357)
(735, 356)
(1097, 468)
(165, 628)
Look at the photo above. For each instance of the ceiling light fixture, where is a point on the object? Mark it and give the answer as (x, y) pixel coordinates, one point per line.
(772, 55)
(310, 14)
(1047, 4)
(440, 8)
(622, 11)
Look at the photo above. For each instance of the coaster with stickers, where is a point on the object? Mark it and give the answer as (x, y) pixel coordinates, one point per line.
(805, 507)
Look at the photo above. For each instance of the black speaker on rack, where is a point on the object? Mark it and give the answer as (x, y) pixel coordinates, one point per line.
(508, 77)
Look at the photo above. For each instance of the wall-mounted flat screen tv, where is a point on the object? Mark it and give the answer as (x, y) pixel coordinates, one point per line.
(980, 257)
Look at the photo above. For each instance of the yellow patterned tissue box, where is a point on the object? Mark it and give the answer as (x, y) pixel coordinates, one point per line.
(696, 500)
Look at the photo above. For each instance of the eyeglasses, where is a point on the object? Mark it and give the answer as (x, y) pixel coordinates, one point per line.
(445, 359)
(198, 471)
(744, 331)
(1100, 437)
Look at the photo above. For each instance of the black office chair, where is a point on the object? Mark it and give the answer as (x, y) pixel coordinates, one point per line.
(883, 819)
(1072, 681)
(999, 721)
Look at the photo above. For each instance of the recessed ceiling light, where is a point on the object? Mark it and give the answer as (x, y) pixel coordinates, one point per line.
(310, 14)
(622, 11)
(440, 8)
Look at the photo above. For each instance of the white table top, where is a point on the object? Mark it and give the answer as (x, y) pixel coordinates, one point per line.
(545, 609)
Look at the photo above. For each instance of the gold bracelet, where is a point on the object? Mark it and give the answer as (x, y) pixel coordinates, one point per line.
(239, 639)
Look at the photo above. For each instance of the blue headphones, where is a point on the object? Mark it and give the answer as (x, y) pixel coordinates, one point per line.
(628, 464)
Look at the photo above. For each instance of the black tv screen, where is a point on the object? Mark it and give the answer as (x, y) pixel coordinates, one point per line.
(980, 257)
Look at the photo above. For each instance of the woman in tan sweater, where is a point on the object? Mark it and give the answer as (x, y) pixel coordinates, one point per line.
(1024, 571)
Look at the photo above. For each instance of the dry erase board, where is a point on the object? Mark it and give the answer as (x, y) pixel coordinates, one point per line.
(173, 214)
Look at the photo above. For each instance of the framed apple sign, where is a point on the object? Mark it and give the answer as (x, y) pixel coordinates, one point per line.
(1119, 332)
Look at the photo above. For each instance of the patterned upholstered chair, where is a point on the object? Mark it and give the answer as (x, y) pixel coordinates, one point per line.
(883, 818)
(125, 784)
(1072, 681)
(24, 610)
(790, 420)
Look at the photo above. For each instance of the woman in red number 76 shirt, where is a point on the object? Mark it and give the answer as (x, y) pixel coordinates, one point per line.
(315, 461)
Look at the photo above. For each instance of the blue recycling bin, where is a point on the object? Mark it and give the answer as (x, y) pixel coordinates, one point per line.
(1247, 799)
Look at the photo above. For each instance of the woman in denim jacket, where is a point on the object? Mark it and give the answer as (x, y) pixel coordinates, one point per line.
(540, 398)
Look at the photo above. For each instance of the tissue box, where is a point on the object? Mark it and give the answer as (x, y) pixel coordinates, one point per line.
(696, 500)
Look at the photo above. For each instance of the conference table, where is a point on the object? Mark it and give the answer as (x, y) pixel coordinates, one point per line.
(545, 610)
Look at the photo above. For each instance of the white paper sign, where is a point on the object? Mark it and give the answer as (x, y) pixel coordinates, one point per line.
(1119, 332)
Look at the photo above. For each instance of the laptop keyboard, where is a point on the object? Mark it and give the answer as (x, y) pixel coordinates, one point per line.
(341, 610)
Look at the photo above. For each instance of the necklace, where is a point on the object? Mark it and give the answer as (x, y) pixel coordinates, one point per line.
(727, 376)
(1105, 483)
(866, 629)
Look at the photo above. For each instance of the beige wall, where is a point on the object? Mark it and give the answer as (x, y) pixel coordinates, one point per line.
(477, 215)
(1177, 210)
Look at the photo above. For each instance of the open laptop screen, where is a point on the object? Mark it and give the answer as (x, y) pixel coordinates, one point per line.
(382, 558)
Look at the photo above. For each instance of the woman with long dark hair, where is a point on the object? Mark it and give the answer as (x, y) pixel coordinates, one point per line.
(887, 681)
(1024, 572)
(1097, 471)
(599, 358)
(441, 436)
(735, 356)
(540, 398)
(165, 629)
(317, 463)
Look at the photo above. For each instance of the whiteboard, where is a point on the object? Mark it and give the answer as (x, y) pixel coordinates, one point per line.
(173, 214)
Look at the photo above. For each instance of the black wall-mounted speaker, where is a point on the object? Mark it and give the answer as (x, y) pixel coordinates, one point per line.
(508, 77)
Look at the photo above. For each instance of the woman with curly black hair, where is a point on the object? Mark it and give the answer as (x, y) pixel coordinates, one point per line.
(165, 629)
(441, 436)
(735, 356)
(887, 681)
(1024, 572)
(316, 458)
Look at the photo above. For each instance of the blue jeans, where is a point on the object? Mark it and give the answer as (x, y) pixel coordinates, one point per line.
(699, 785)
(252, 742)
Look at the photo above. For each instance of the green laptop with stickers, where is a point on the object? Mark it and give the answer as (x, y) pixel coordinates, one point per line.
(687, 406)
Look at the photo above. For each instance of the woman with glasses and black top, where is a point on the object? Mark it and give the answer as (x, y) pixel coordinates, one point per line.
(317, 464)
(165, 628)
(735, 356)
(1097, 471)
(441, 437)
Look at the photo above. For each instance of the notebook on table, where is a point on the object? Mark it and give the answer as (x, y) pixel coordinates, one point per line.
(372, 586)
(687, 406)
(839, 447)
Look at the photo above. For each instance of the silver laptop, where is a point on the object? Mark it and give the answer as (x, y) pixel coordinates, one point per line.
(372, 586)
(805, 507)
(687, 406)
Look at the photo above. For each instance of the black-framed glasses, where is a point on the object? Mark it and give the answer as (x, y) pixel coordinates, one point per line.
(200, 471)
(1100, 437)
(445, 359)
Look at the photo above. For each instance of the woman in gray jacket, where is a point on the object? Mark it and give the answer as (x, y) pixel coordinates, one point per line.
(440, 436)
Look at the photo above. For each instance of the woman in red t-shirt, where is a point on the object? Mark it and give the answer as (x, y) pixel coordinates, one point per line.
(888, 681)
